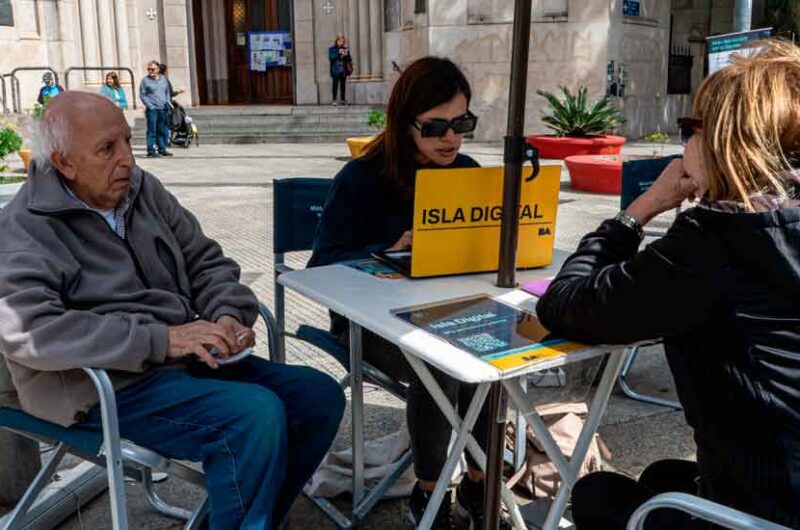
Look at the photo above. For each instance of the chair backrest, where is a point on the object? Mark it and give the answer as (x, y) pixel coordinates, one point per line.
(297, 207)
(638, 175)
(702, 509)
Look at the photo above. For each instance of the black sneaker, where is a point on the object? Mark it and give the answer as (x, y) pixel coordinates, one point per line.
(418, 503)
(153, 154)
(164, 152)
(469, 504)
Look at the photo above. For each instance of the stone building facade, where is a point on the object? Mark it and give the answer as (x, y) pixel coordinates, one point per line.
(203, 42)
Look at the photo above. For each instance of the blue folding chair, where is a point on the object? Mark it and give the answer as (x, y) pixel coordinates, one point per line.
(120, 457)
(637, 176)
(297, 207)
(700, 509)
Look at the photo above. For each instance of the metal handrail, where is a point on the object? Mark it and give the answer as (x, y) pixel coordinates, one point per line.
(16, 96)
(3, 92)
(703, 509)
(103, 69)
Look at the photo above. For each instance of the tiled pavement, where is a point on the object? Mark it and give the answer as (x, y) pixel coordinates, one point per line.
(229, 189)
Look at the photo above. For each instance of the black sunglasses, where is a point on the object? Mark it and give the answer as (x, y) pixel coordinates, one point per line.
(688, 127)
(439, 126)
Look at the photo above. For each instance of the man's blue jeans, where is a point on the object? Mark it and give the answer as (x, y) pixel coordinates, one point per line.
(260, 429)
(156, 122)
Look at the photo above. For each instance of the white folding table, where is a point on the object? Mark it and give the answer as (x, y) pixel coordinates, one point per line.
(367, 302)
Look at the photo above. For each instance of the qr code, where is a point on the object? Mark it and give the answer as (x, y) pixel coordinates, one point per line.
(482, 342)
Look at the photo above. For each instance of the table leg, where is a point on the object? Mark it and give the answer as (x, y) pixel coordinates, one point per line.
(569, 469)
(494, 460)
(357, 407)
(452, 417)
(455, 455)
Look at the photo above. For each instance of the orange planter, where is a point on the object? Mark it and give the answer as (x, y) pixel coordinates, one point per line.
(357, 144)
(595, 173)
(25, 155)
(561, 147)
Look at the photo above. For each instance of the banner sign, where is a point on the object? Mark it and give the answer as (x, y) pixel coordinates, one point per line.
(461, 209)
(268, 49)
(722, 47)
(631, 8)
(497, 333)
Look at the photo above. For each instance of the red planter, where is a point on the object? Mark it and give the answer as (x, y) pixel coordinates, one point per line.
(561, 147)
(597, 174)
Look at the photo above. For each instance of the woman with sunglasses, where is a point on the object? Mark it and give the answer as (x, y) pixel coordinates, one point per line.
(722, 289)
(370, 209)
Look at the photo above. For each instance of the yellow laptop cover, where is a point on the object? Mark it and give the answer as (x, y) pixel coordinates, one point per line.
(457, 220)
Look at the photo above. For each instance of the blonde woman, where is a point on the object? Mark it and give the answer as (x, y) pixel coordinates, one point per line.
(722, 289)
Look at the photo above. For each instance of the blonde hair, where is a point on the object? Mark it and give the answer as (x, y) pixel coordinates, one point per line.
(751, 122)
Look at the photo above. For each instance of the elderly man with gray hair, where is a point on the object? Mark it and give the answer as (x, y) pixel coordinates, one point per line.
(100, 266)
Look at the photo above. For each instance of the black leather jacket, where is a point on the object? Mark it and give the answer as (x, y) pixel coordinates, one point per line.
(723, 290)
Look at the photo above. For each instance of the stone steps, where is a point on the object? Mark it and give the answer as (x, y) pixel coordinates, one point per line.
(278, 124)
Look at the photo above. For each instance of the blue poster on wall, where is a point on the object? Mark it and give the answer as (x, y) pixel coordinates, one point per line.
(268, 49)
(630, 8)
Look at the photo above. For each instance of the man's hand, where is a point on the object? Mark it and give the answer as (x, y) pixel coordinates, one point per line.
(195, 338)
(245, 337)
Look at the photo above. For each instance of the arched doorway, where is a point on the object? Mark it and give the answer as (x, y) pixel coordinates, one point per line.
(224, 71)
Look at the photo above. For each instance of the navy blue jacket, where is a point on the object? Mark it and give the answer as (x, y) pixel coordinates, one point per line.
(339, 62)
(362, 214)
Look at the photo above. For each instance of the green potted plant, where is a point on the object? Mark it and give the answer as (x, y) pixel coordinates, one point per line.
(10, 142)
(376, 119)
(579, 128)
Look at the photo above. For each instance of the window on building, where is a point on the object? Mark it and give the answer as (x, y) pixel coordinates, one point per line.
(679, 72)
(6, 13)
(419, 6)
(391, 15)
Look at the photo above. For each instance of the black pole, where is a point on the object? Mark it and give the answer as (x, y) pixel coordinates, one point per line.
(494, 459)
(514, 144)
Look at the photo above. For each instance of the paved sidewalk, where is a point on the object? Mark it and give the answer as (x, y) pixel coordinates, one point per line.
(229, 189)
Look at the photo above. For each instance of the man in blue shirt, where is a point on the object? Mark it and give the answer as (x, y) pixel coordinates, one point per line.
(155, 95)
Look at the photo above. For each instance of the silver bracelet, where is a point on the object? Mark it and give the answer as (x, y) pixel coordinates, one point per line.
(631, 223)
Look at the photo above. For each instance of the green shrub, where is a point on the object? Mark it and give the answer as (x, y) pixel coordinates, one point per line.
(377, 119)
(573, 116)
(10, 142)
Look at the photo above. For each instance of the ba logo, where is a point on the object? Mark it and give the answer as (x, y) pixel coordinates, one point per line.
(544, 231)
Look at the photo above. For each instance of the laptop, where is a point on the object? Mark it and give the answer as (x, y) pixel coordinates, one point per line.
(456, 227)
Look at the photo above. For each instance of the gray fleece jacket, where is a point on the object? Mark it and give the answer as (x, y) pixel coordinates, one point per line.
(73, 294)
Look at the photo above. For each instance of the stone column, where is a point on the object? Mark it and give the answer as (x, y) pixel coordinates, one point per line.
(363, 38)
(105, 16)
(123, 37)
(89, 41)
(352, 35)
(376, 38)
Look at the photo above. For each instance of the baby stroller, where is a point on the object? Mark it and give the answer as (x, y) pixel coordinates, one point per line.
(184, 131)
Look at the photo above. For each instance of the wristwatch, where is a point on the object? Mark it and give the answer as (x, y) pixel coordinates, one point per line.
(631, 223)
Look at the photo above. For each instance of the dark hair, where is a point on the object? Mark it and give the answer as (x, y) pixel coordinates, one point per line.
(426, 83)
(114, 77)
(162, 68)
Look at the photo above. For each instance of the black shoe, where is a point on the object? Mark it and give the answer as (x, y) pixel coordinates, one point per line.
(164, 152)
(469, 504)
(153, 154)
(418, 503)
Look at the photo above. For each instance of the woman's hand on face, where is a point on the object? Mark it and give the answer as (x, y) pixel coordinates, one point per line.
(671, 188)
(404, 243)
